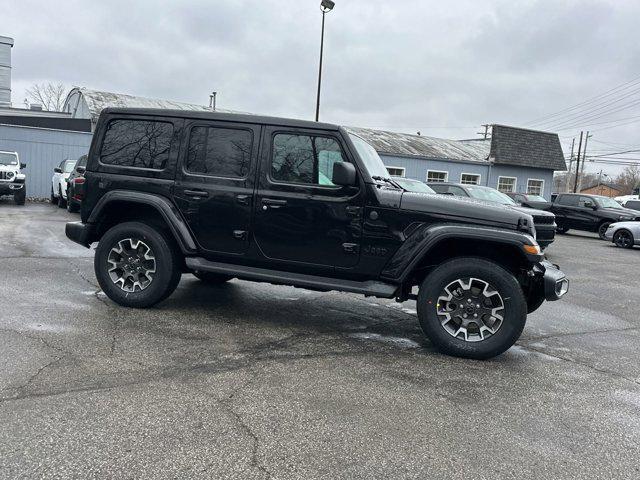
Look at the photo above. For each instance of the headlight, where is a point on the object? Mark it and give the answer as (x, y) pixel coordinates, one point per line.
(10, 175)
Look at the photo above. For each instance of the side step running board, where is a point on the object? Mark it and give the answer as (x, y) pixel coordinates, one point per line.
(371, 287)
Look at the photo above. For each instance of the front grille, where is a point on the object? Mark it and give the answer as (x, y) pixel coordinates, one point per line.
(4, 175)
(545, 234)
(544, 220)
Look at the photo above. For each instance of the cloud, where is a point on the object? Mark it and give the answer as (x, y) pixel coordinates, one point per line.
(405, 65)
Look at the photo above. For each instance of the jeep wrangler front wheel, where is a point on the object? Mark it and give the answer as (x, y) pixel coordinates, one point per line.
(136, 265)
(472, 308)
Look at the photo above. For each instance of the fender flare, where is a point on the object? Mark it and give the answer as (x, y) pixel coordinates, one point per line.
(163, 205)
(425, 238)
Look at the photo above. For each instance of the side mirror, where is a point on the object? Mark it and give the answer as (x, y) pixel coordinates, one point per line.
(594, 206)
(57, 170)
(344, 174)
(23, 165)
(81, 170)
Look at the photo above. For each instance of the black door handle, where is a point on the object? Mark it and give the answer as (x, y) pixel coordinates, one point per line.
(196, 193)
(273, 203)
(243, 199)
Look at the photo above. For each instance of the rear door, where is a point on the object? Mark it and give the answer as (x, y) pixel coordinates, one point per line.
(215, 181)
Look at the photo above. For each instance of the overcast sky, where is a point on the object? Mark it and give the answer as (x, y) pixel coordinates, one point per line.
(443, 68)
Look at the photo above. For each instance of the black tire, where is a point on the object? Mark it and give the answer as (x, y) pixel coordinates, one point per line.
(54, 199)
(623, 239)
(20, 196)
(502, 281)
(168, 265)
(72, 207)
(62, 203)
(602, 229)
(561, 230)
(211, 278)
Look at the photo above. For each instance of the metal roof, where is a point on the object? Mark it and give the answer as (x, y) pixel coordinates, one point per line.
(97, 101)
(403, 144)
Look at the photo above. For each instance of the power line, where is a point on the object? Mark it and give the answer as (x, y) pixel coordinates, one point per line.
(593, 116)
(610, 92)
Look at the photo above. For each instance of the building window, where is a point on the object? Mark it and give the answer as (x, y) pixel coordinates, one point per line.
(396, 171)
(507, 184)
(470, 179)
(535, 187)
(437, 176)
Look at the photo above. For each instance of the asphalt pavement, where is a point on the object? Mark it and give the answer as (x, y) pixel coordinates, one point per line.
(251, 380)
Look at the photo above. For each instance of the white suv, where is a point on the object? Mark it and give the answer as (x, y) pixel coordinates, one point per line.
(12, 182)
(59, 182)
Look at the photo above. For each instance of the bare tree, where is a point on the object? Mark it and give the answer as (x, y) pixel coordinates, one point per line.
(50, 95)
(629, 178)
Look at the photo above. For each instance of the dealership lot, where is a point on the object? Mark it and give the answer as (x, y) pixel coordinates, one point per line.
(250, 380)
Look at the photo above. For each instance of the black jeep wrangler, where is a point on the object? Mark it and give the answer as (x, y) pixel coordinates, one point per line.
(305, 204)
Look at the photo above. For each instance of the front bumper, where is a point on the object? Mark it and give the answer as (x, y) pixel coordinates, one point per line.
(79, 232)
(7, 188)
(554, 282)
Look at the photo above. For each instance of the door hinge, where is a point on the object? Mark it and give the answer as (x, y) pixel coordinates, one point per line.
(351, 247)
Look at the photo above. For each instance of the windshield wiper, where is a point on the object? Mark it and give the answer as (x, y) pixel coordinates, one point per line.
(390, 182)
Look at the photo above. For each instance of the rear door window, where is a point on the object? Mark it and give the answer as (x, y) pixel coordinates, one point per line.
(219, 152)
(137, 144)
(568, 200)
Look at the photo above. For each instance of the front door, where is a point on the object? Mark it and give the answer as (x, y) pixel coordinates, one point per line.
(301, 217)
(215, 181)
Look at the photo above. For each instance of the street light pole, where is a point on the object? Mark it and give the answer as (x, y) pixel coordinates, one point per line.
(325, 7)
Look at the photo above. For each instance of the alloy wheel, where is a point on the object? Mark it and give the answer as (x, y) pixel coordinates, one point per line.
(623, 239)
(131, 265)
(470, 309)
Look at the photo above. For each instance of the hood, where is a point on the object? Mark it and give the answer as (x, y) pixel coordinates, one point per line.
(627, 212)
(532, 211)
(9, 168)
(474, 210)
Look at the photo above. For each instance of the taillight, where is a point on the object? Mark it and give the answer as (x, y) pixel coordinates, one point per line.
(78, 181)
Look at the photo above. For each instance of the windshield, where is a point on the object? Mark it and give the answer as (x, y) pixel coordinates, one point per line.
(8, 158)
(490, 195)
(413, 185)
(606, 202)
(370, 158)
(69, 166)
(535, 198)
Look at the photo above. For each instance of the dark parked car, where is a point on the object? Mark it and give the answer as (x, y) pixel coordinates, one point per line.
(530, 201)
(300, 203)
(75, 185)
(543, 221)
(590, 213)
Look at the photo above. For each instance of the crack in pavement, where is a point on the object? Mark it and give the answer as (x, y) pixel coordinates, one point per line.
(603, 371)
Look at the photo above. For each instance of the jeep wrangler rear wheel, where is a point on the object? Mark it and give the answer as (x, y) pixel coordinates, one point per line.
(472, 308)
(137, 265)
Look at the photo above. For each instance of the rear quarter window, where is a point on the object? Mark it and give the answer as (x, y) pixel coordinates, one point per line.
(137, 143)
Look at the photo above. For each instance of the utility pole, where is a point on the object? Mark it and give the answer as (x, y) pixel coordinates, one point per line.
(486, 131)
(568, 181)
(584, 160)
(575, 183)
